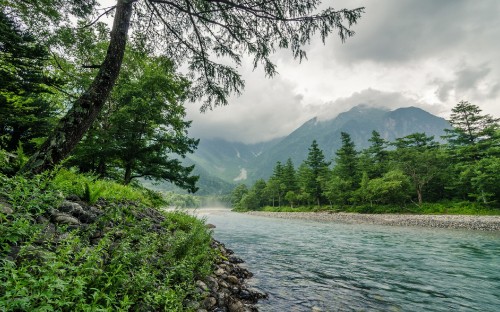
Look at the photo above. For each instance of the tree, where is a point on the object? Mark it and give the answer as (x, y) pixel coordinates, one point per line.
(392, 188)
(418, 156)
(25, 114)
(259, 189)
(275, 187)
(196, 31)
(346, 160)
(289, 177)
(473, 138)
(469, 126)
(374, 159)
(237, 194)
(318, 169)
(144, 126)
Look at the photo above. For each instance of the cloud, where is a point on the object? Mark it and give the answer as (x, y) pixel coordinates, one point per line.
(469, 81)
(374, 98)
(426, 53)
(267, 109)
(396, 31)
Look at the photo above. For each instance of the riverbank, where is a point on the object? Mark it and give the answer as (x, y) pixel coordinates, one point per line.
(61, 248)
(481, 223)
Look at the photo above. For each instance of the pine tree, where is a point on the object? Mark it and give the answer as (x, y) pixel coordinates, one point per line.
(318, 169)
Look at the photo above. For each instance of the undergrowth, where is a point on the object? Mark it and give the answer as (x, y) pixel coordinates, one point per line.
(133, 258)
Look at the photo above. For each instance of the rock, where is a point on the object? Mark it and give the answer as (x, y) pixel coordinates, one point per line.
(5, 208)
(41, 220)
(316, 309)
(245, 295)
(212, 283)
(234, 259)
(232, 279)
(63, 218)
(223, 284)
(73, 198)
(236, 306)
(210, 226)
(219, 272)
(209, 302)
(201, 285)
(80, 211)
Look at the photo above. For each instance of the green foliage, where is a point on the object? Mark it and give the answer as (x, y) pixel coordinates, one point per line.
(418, 176)
(25, 113)
(141, 127)
(90, 188)
(133, 258)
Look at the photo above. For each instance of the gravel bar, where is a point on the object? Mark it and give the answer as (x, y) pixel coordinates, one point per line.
(468, 222)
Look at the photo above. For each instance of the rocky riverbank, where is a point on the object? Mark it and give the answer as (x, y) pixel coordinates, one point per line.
(481, 223)
(225, 290)
(114, 238)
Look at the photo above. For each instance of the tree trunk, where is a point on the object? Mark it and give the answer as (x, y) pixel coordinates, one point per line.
(79, 119)
(128, 175)
(419, 195)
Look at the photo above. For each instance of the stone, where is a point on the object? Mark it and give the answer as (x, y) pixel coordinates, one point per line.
(63, 218)
(6, 208)
(201, 285)
(234, 259)
(223, 284)
(236, 306)
(209, 302)
(210, 226)
(219, 272)
(245, 295)
(232, 279)
(212, 283)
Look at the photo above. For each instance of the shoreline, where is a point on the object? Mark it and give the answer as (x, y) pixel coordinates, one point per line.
(465, 222)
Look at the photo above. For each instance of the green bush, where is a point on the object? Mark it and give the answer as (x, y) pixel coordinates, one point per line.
(132, 258)
(90, 188)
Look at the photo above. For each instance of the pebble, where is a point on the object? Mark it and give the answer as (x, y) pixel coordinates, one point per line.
(468, 222)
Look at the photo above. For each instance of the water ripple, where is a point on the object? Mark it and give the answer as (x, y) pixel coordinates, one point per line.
(338, 267)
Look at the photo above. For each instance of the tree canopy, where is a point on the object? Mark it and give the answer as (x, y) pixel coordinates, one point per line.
(204, 34)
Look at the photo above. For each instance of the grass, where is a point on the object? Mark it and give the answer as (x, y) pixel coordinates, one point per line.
(134, 257)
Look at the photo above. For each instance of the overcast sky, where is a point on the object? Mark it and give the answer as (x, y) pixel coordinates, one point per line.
(424, 53)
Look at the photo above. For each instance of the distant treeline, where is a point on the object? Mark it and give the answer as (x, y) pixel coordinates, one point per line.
(413, 169)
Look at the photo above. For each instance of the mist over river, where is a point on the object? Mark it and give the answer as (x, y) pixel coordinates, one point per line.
(319, 266)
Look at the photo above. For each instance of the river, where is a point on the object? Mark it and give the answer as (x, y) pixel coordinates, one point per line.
(318, 266)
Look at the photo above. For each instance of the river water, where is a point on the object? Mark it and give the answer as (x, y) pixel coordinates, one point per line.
(318, 266)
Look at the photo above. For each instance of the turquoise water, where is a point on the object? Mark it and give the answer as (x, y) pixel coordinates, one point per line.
(315, 266)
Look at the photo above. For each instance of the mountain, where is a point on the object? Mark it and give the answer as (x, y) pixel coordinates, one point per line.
(359, 122)
(222, 164)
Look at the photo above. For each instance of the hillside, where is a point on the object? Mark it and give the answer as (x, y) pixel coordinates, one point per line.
(222, 164)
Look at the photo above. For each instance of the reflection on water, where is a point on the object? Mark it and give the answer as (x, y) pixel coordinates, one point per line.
(315, 266)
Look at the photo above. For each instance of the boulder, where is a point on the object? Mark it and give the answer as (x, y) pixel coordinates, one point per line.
(64, 218)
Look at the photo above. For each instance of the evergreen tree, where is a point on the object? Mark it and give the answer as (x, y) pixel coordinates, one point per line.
(318, 169)
(472, 138)
(289, 177)
(346, 160)
(374, 159)
(25, 113)
(276, 187)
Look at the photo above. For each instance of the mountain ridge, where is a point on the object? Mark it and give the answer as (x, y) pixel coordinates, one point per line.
(226, 161)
